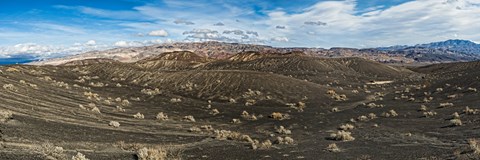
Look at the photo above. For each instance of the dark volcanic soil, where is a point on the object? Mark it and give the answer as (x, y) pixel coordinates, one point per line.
(71, 107)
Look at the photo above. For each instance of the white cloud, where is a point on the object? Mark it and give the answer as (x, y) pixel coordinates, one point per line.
(91, 43)
(159, 33)
(128, 44)
(280, 39)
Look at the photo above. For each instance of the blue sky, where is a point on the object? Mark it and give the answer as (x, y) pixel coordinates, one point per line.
(49, 28)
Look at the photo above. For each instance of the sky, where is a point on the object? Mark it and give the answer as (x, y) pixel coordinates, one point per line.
(53, 28)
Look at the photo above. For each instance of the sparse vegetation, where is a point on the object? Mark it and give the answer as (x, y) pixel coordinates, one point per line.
(474, 145)
(333, 148)
(79, 156)
(342, 136)
(283, 130)
(279, 116)
(152, 154)
(114, 124)
(5, 115)
(138, 116)
(162, 116)
(189, 118)
(346, 127)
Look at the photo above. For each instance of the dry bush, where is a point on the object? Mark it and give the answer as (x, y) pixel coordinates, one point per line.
(472, 89)
(175, 100)
(194, 129)
(10, 87)
(439, 89)
(114, 124)
(207, 127)
(333, 148)
(455, 115)
(429, 114)
(79, 156)
(236, 121)
(470, 111)
(390, 113)
(50, 151)
(346, 127)
(150, 92)
(446, 104)
(225, 134)
(285, 140)
(162, 116)
(474, 145)
(282, 130)
(264, 145)
(363, 118)
(152, 154)
(279, 116)
(125, 102)
(214, 112)
(95, 109)
(247, 116)
(5, 115)
(138, 116)
(189, 118)
(342, 136)
(423, 108)
(120, 109)
(334, 109)
(372, 116)
(456, 122)
(250, 102)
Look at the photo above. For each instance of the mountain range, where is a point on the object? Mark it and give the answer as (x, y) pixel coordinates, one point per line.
(436, 52)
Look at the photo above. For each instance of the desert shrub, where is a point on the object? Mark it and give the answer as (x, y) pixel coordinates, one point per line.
(120, 109)
(162, 116)
(472, 89)
(455, 115)
(283, 130)
(342, 136)
(152, 154)
(175, 100)
(95, 110)
(225, 134)
(5, 115)
(285, 140)
(334, 109)
(423, 108)
(372, 116)
(456, 122)
(207, 127)
(346, 127)
(250, 102)
(264, 145)
(439, 89)
(236, 121)
(214, 112)
(363, 118)
(189, 118)
(194, 129)
(247, 116)
(150, 92)
(50, 151)
(10, 87)
(125, 102)
(390, 113)
(429, 114)
(138, 116)
(279, 116)
(470, 111)
(474, 145)
(446, 104)
(333, 148)
(114, 124)
(79, 156)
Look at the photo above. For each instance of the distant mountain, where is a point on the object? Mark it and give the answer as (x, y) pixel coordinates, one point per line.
(464, 46)
(453, 45)
(447, 51)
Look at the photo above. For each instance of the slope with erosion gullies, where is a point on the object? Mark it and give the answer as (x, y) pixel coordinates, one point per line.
(178, 60)
(465, 74)
(215, 84)
(318, 70)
